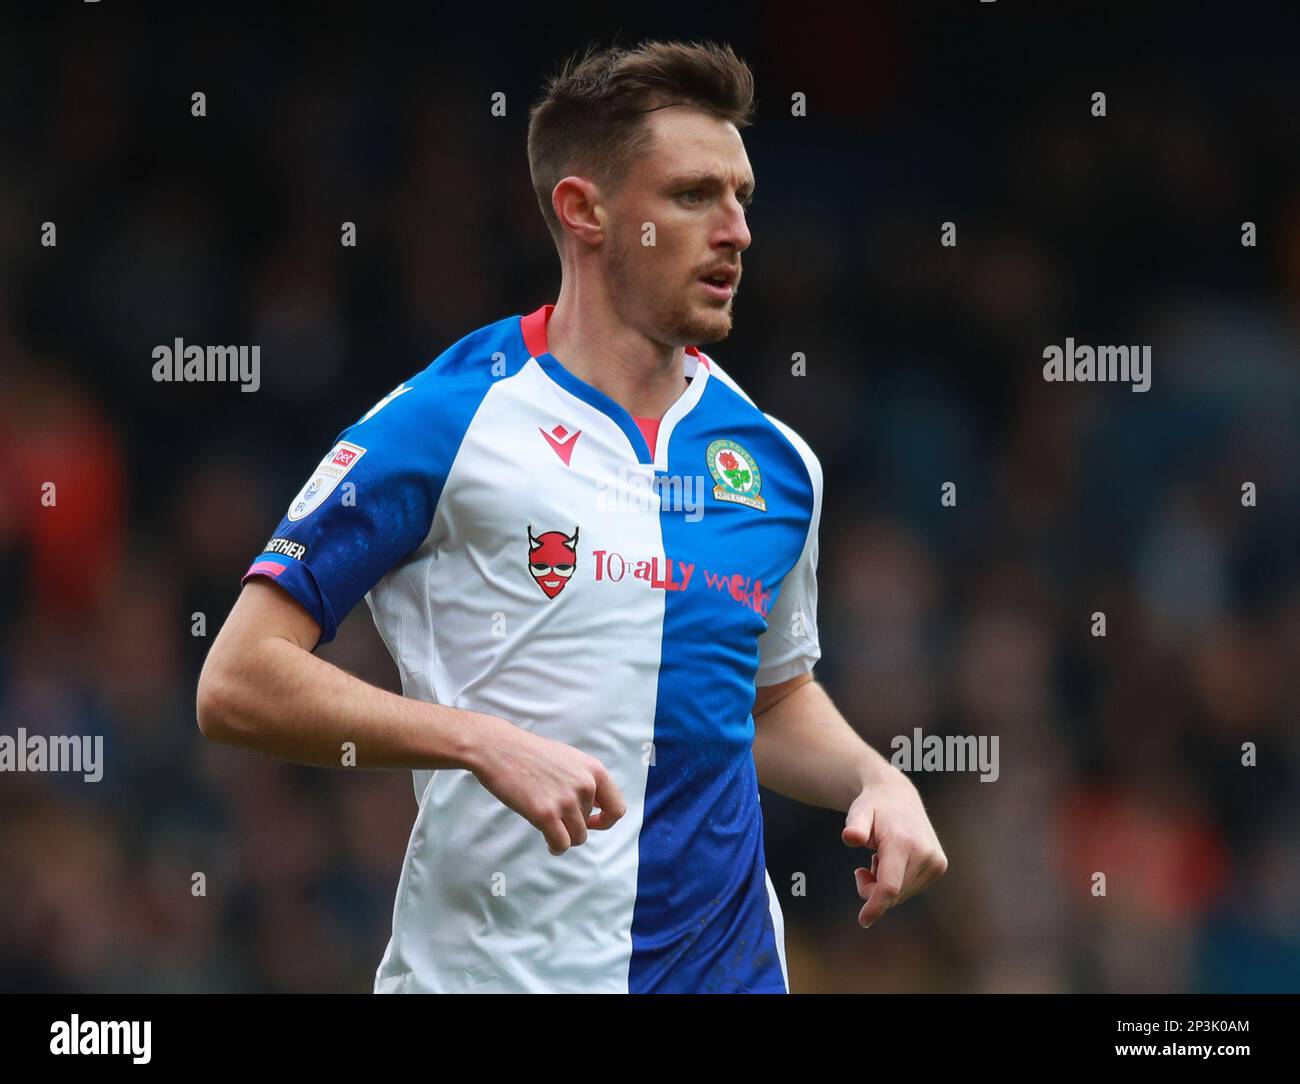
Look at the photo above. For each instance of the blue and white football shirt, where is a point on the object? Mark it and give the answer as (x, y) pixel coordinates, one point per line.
(525, 553)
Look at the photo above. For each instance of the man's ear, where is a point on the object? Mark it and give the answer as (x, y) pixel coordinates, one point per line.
(578, 208)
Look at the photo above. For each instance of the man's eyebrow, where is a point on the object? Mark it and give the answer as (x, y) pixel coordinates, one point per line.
(704, 178)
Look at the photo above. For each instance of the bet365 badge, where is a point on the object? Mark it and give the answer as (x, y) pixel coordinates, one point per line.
(737, 475)
(341, 459)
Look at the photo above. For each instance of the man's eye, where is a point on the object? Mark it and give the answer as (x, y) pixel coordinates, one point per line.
(693, 192)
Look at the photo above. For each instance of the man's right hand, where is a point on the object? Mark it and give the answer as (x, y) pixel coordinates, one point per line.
(551, 785)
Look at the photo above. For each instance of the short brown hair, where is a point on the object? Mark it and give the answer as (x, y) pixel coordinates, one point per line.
(590, 117)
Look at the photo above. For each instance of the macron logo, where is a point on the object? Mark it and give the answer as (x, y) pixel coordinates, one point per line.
(562, 441)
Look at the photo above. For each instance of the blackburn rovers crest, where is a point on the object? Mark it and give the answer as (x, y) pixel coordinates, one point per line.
(737, 475)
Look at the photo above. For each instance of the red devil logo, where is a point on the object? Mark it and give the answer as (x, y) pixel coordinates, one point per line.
(552, 557)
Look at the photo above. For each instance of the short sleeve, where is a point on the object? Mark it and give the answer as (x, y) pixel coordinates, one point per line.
(367, 505)
(790, 646)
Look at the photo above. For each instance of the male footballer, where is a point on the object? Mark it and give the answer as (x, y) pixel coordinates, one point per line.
(593, 560)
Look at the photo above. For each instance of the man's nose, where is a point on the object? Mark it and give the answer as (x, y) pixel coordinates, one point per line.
(734, 232)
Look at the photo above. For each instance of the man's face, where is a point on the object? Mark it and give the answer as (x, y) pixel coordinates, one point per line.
(692, 183)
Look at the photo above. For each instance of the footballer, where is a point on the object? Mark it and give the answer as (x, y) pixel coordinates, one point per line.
(593, 560)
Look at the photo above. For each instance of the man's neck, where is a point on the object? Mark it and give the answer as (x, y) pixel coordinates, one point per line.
(643, 377)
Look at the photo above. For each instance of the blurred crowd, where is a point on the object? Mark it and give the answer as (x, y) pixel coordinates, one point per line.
(1120, 754)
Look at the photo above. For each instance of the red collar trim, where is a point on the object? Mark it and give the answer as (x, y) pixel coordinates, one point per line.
(534, 324)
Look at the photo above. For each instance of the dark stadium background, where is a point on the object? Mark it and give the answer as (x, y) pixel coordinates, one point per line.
(1120, 754)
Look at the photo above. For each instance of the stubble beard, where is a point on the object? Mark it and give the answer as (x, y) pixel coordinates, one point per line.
(678, 317)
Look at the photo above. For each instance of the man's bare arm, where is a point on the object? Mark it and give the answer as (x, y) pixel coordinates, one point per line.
(805, 749)
(263, 689)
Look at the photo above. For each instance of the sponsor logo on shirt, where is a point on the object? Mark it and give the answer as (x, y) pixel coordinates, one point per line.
(341, 459)
(744, 589)
(738, 478)
(668, 574)
(552, 559)
(657, 572)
